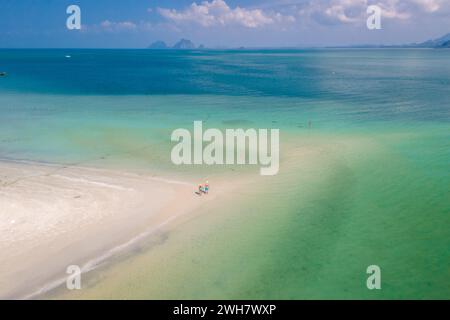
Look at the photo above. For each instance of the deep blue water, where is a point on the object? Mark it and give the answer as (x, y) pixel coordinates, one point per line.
(110, 101)
(391, 83)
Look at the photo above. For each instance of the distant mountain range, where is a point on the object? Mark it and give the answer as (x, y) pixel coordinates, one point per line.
(439, 43)
(183, 44)
(158, 45)
(442, 42)
(446, 44)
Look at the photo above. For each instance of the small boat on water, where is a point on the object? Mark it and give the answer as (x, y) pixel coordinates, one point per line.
(3, 74)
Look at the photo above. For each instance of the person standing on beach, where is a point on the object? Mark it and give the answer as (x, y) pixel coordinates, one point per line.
(206, 187)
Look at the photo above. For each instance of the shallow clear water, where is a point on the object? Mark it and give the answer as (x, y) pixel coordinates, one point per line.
(50, 105)
(377, 191)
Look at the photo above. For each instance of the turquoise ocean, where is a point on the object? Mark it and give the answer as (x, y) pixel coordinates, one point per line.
(378, 193)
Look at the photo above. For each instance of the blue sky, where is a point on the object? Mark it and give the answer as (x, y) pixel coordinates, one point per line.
(219, 23)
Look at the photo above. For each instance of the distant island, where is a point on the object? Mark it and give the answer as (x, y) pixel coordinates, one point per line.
(439, 43)
(158, 45)
(183, 44)
(446, 44)
(442, 42)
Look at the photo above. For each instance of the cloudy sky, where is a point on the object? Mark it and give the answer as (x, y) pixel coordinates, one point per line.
(220, 23)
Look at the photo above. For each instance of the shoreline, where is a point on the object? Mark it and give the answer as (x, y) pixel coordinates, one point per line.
(75, 215)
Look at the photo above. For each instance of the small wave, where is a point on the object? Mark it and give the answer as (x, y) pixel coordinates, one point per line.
(98, 261)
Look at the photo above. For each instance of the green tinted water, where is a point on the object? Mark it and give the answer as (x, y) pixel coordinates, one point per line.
(367, 184)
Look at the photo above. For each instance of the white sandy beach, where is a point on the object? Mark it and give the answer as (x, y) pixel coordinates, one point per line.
(52, 217)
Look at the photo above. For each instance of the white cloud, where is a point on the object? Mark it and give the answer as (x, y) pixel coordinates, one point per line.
(346, 11)
(354, 11)
(218, 13)
(118, 26)
(431, 5)
(279, 14)
(393, 9)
